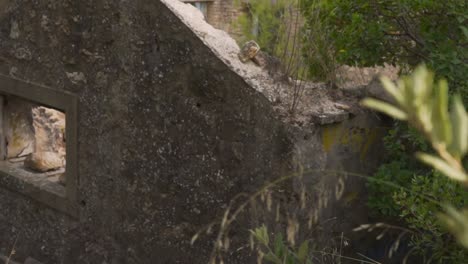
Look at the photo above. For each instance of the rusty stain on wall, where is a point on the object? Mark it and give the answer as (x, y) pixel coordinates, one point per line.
(358, 139)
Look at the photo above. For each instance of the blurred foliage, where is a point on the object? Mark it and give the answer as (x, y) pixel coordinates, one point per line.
(418, 200)
(423, 102)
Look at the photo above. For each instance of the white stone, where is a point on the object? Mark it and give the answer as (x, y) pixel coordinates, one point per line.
(44, 161)
(49, 128)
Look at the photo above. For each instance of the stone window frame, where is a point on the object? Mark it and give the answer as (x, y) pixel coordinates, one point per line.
(61, 198)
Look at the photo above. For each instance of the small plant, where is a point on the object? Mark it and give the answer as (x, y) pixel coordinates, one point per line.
(278, 251)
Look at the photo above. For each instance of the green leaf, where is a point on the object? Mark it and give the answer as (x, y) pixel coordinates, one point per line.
(290, 260)
(271, 257)
(392, 89)
(442, 166)
(465, 31)
(459, 120)
(441, 128)
(405, 84)
(385, 108)
(279, 245)
(457, 223)
(303, 251)
(421, 81)
(261, 234)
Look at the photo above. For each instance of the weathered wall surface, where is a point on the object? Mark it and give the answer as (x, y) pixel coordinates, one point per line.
(335, 159)
(167, 132)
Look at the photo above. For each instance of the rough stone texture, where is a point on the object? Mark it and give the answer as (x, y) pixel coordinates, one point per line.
(224, 47)
(169, 131)
(49, 130)
(44, 161)
(350, 77)
(330, 157)
(35, 132)
(375, 89)
(18, 127)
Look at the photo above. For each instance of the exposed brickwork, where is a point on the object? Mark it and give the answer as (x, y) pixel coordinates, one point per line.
(222, 14)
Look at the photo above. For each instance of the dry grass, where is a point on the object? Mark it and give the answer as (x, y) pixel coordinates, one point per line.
(298, 218)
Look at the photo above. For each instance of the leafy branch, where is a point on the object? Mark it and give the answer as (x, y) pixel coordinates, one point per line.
(423, 103)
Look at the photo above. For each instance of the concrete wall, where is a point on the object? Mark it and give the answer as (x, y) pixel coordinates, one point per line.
(167, 134)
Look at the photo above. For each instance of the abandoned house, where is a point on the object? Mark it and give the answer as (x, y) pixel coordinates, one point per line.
(127, 126)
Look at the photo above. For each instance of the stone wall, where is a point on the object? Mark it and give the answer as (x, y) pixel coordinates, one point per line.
(168, 132)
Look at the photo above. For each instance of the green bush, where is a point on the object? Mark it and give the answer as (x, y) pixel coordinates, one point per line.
(399, 169)
(404, 33)
(423, 193)
(431, 240)
(418, 199)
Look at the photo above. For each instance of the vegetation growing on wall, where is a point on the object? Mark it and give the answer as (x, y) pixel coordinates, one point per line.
(273, 25)
(277, 27)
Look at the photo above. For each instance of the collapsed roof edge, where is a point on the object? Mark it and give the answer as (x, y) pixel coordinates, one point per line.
(223, 46)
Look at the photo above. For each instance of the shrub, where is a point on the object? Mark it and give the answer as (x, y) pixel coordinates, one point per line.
(404, 33)
(424, 104)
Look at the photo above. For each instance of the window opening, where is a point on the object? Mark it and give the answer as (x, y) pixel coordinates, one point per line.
(39, 143)
(32, 139)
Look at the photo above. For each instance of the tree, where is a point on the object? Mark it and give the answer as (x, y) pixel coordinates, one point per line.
(404, 33)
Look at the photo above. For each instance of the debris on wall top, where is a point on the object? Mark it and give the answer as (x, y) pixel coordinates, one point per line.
(319, 104)
(223, 46)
